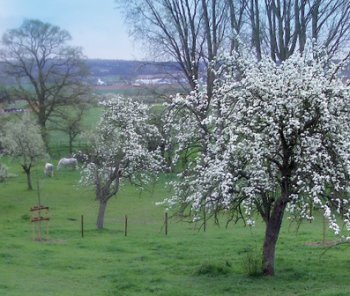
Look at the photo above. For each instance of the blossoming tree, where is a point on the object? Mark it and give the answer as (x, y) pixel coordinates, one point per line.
(119, 150)
(277, 139)
(23, 141)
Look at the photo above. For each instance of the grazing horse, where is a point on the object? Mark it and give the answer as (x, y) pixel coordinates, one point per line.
(68, 163)
(48, 169)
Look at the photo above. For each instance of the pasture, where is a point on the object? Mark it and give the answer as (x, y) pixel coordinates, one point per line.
(187, 261)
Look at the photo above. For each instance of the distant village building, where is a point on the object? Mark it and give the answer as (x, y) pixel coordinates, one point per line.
(100, 82)
(14, 110)
(155, 80)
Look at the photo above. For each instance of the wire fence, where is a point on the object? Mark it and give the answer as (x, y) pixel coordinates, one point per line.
(61, 149)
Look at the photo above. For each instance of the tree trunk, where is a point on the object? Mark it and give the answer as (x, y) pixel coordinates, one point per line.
(101, 214)
(273, 227)
(71, 145)
(42, 123)
(44, 134)
(29, 179)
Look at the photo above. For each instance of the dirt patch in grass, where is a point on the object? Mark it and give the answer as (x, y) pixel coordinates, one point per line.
(52, 241)
(322, 244)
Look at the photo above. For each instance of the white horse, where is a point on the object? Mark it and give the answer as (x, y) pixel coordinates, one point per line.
(48, 169)
(68, 163)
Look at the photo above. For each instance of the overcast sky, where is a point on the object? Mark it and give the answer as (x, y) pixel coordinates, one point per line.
(95, 25)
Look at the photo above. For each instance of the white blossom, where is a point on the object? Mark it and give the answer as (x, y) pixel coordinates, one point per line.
(22, 140)
(119, 148)
(272, 133)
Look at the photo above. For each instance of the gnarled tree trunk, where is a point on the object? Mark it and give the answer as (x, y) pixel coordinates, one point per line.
(104, 192)
(273, 227)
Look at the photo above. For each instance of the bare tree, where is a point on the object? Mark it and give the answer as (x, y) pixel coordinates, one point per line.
(191, 32)
(280, 27)
(71, 123)
(47, 71)
(172, 26)
(238, 20)
(215, 24)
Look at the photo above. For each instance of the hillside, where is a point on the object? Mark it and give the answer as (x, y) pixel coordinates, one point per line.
(130, 73)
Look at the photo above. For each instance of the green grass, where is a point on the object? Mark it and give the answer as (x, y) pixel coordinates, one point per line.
(146, 262)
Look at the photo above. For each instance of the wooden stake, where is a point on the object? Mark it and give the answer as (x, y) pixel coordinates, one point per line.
(38, 192)
(166, 223)
(39, 233)
(39, 204)
(324, 231)
(126, 226)
(33, 230)
(82, 226)
(47, 230)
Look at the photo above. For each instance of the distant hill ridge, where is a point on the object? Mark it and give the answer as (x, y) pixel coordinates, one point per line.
(127, 71)
(130, 69)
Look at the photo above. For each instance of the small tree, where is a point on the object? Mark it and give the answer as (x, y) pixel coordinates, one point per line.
(23, 141)
(70, 122)
(276, 139)
(119, 149)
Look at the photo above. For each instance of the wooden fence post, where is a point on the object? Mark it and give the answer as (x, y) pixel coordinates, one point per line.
(82, 225)
(166, 223)
(126, 226)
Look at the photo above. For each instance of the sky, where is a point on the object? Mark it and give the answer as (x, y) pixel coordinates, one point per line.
(95, 25)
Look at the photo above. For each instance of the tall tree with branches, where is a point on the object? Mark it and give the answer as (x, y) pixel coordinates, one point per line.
(281, 27)
(48, 72)
(194, 32)
(191, 32)
(275, 141)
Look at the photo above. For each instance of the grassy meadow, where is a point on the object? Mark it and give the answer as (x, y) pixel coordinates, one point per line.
(188, 261)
